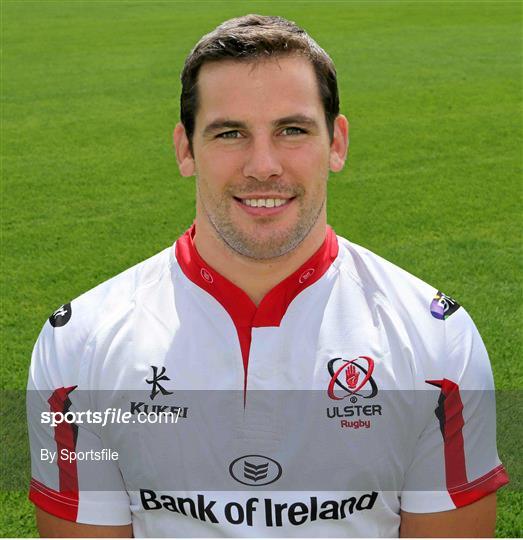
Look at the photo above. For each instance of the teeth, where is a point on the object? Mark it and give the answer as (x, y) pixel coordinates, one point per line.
(267, 203)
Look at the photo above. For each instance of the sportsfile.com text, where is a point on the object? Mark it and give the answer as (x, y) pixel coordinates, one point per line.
(109, 416)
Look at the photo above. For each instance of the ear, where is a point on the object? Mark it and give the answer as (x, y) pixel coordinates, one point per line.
(340, 144)
(183, 151)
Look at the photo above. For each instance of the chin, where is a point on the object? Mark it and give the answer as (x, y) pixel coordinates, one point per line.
(265, 247)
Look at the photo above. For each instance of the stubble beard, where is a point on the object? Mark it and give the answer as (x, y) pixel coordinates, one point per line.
(259, 247)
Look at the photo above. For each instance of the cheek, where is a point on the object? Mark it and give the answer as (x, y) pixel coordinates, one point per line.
(217, 169)
(310, 166)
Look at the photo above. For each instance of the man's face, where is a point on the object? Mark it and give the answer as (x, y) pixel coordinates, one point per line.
(261, 154)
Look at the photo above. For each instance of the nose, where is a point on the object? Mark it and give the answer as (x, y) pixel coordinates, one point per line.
(262, 161)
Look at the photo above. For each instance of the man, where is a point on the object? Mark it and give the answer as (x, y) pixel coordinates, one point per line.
(358, 399)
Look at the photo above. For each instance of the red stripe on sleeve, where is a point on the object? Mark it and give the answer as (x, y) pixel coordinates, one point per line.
(51, 501)
(62, 503)
(455, 469)
(461, 491)
(479, 488)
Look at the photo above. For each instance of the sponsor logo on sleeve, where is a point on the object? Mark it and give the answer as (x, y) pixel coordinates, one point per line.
(61, 316)
(443, 306)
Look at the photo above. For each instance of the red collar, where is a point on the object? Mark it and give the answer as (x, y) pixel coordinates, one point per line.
(235, 301)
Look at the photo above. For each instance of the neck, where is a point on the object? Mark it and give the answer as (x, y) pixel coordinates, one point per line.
(256, 278)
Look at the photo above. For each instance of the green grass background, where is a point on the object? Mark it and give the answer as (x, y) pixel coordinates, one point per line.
(90, 185)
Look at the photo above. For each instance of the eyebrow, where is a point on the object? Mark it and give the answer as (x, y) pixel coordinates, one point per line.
(226, 123)
(223, 123)
(300, 119)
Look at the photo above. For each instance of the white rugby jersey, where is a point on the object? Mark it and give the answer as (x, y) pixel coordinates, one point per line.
(353, 390)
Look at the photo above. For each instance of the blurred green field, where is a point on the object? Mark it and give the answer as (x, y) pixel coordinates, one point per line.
(90, 185)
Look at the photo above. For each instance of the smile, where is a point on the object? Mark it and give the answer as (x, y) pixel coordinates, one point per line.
(263, 206)
(267, 203)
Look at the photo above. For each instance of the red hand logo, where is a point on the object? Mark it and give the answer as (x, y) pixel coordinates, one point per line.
(351, 376)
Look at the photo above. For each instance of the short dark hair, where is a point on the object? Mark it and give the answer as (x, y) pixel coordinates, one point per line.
(254, 38)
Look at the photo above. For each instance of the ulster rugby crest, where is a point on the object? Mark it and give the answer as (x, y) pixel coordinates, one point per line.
(351, 378)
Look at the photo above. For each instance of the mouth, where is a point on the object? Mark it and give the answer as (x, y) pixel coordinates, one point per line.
(256, 205)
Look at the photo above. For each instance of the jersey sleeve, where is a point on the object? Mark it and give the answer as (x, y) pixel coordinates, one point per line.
(62, 485)
(455, 461)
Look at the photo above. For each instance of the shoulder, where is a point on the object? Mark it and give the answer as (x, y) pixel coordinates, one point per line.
(387, 282)
(65, 335)
(433, 323)
(117, 295)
